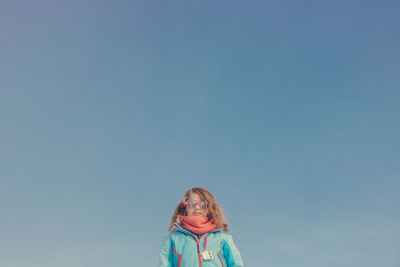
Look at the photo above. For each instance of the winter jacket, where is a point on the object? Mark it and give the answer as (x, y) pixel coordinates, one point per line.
(182, 248)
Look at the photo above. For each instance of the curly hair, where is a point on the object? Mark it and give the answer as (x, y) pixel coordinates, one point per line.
(214, 210)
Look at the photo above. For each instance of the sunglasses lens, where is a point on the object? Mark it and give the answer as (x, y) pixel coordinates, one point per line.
(191, 203)
(203, 205)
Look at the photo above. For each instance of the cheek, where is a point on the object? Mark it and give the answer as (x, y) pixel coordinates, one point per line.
(187, 210)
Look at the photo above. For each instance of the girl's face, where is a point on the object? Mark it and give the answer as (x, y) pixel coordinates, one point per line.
(196, 210)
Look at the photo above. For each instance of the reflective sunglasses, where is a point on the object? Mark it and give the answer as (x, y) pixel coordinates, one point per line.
(192, 203)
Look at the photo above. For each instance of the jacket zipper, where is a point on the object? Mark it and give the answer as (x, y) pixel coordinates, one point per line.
(198, 247)
(198, 254)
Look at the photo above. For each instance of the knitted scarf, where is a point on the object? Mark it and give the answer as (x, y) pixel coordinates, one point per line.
(197, 224)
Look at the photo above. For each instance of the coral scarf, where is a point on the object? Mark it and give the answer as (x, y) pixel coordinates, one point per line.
(197, 224)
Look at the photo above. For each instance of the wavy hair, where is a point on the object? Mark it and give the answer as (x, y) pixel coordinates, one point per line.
(214, 210)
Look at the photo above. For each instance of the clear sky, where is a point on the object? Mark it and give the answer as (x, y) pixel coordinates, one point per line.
(287, 111)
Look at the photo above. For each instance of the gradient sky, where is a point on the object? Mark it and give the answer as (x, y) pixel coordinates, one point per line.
(287, 111)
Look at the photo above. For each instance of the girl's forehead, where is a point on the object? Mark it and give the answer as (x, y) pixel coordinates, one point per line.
(194, 196)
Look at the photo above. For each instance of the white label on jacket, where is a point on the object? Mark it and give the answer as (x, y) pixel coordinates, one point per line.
(207, 255)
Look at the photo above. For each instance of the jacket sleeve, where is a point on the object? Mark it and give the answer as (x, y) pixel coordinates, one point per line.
(232, 254)
(165, 259)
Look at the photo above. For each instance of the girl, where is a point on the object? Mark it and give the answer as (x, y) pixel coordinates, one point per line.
(198, 234)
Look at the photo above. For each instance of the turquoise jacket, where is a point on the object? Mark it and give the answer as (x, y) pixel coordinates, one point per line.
(182, 248)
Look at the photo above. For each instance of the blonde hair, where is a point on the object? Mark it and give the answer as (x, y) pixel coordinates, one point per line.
(214, 210)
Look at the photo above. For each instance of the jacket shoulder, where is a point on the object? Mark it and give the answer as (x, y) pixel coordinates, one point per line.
(174, 234)
(223, 235)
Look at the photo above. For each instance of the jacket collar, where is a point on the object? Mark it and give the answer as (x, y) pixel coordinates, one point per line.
(183, 230)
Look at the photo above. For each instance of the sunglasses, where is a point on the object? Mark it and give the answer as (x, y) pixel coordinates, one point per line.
(192, 203)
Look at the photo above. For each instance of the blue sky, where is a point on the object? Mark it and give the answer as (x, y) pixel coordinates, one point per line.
(287, 111)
